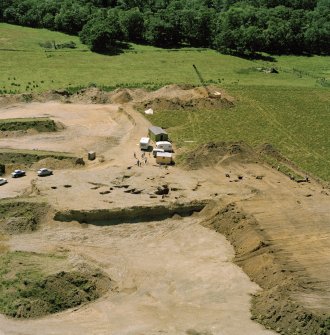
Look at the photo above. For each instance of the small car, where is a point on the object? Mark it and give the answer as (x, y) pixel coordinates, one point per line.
(18, 173)
(3, 181)
(44, 172)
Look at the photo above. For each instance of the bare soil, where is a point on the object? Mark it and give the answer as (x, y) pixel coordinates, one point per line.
(174, 276)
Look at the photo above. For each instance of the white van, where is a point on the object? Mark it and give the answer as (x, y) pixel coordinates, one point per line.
(156, 151)
(165, 145)
(144, 143)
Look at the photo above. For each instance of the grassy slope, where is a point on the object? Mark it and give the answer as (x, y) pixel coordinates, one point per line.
(33, 64)
(289, 109)
(296, 121)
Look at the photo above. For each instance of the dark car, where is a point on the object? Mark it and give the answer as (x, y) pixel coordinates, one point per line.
(18, 173)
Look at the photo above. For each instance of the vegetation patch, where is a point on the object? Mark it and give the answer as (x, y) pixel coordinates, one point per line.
(28, 157)
(220, 152)
(39, 124)
(33, 285)
(21, 217)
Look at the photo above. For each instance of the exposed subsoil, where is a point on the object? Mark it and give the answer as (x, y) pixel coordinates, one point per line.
(174, 276)
(276, 306)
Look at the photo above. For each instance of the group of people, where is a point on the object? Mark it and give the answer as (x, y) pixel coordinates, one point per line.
(142, 159)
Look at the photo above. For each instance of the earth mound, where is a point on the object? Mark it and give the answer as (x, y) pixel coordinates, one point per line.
(220, 152)
(121, 96)
(91, 95)
(31, 287)
(21, 217)
(175, 97)
(268, 150)
(54, 163)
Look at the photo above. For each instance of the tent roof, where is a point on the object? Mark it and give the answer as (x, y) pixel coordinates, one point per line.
(157, 130)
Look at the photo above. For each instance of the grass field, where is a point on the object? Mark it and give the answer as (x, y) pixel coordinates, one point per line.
(290, 110)
(26, 66)
(296, 121)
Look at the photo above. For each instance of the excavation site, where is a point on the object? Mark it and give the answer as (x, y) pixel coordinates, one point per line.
(101, 235)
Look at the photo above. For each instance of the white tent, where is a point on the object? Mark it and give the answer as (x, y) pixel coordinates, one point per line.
(149, 111)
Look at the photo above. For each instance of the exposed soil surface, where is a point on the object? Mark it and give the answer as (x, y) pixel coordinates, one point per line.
(174, 276)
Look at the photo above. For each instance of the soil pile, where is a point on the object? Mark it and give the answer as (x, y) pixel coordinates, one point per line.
(59, 292)
(274, 306)
(220, 152)
(91, 95)
(175, 97)
(170, 97)
(54, 163)
(121, 96)
(21, 224)
(39, 124)
(268, 150)
(30, 291)
(21, 217)
(16, 159)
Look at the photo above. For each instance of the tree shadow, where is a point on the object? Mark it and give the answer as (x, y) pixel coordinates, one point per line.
(255, 56)
(117, 49)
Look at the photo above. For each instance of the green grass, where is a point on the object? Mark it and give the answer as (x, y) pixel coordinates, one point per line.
(296, 121)
(33, 285)
(289, 109)
(27, 67)
(28, 157)
(41, 124)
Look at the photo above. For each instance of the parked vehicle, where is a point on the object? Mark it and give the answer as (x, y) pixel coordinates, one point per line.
(156, 151)
(18, 173)
(144, 143)
(3, 181)
(165, 145)
(43, 172)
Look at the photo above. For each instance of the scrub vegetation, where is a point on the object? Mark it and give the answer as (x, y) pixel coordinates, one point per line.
(39, 124)
(33, 285)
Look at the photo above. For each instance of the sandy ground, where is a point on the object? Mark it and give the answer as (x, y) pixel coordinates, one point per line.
(173, 276)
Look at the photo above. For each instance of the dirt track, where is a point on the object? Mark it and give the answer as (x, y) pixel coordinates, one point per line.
(173, 276)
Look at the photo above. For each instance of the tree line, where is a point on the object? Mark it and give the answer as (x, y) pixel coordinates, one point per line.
(241, 27)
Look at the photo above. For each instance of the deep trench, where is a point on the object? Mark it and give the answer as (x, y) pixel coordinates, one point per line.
(135, 214)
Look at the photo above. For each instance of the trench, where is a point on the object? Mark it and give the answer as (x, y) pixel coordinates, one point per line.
(135, 214)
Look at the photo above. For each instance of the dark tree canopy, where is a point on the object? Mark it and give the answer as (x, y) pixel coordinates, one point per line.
(230, 26)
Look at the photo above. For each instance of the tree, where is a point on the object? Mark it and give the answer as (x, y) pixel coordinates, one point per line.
(132, 24)
(103, 32)
(72, 17)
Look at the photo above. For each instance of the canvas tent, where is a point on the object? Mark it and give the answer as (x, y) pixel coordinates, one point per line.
(157, 134)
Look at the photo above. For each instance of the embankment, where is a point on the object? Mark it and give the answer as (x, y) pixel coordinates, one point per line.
(43, 124)
(13, 158)
(274, 306)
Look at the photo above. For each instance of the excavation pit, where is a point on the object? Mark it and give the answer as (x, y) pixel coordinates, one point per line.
(136, 214)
